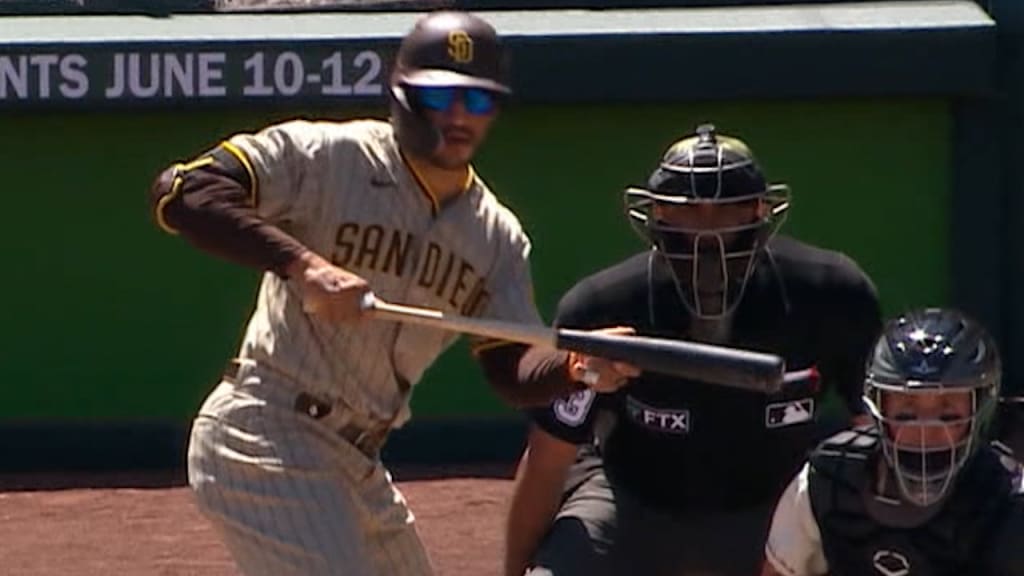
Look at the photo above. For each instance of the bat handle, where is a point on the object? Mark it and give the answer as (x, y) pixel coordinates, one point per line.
(368, 302)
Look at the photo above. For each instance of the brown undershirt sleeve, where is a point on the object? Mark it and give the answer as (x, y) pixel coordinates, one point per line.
(526, 376)
(210, 203)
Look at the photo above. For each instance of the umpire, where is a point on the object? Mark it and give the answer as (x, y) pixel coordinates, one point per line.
(667, 477)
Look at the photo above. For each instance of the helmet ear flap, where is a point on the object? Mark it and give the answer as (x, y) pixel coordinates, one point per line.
(398, 95)
(413, 130)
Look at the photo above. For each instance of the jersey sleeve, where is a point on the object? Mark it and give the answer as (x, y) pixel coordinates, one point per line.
(851, 320)
(510, 285)
(1006, 549)
(794, 541)
(570, 418)
(281, 160)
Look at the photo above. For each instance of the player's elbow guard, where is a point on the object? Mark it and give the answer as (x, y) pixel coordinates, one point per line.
(217, 181)
(165, 199)
(211, 203)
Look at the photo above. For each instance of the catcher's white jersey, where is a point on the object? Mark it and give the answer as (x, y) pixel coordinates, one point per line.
(794, 546)
(794, 541)
(343, 190)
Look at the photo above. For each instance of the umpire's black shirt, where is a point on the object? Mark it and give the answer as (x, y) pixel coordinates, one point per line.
(689, 445)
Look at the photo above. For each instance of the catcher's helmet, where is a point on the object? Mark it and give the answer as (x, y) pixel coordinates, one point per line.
(445, 48)
(932, 351)
(711, 265)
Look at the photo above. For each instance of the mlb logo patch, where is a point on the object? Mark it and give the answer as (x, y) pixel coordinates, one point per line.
(789, 412)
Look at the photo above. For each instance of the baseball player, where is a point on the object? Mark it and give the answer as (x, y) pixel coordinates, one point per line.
(678, 477)
(284, 453)
(921, 490)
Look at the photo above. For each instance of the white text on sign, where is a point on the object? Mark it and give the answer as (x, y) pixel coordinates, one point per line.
(185, 75)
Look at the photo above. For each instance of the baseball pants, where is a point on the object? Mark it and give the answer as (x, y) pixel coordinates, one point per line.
(289, 496)
(602, 530)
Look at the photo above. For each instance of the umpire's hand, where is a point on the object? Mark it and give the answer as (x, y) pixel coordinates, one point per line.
(602, 375)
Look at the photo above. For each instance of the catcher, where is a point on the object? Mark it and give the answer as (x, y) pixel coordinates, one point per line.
(920, 491)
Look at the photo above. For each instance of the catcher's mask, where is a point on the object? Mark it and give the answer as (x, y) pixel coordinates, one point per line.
(932, 387)
(448, 54)
(709, 212)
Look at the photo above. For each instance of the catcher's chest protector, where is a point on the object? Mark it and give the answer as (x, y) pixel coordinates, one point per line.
(955, 542)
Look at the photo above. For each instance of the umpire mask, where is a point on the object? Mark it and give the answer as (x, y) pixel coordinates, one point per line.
(932, 387)
(708, 212)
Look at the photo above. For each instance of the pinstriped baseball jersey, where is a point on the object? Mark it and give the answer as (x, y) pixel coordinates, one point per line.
(344, 191)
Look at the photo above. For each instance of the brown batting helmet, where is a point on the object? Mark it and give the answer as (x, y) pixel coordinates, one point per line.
(451, 48)
(445, 48)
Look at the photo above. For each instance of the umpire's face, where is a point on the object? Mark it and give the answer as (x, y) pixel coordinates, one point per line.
(711, 216)
(711, 246)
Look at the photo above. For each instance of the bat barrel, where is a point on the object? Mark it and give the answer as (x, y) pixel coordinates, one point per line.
(721, 365)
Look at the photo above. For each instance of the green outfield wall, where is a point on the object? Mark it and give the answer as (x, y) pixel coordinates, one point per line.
(115, 331)
(116, 320)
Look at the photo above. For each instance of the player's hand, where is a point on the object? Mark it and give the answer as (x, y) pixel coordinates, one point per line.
(329, 292)
(599, 374)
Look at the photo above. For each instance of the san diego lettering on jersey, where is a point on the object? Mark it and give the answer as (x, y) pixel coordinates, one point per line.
(449, 276)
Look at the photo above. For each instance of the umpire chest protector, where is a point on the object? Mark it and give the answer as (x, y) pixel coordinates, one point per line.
(693, 446)
(864, 534)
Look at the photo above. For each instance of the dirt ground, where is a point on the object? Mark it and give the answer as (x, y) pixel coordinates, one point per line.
(146, 524)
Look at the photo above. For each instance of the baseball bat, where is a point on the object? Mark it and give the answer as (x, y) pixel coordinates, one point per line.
(744, 369)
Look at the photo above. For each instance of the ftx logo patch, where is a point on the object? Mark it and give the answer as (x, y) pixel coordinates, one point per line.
(788, 413)
(658, 419)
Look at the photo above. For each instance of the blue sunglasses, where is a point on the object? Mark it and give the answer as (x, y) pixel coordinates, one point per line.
(440, 99)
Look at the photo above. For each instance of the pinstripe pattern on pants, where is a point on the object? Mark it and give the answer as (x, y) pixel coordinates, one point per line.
(291, 497)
